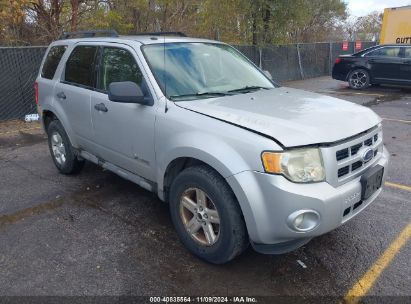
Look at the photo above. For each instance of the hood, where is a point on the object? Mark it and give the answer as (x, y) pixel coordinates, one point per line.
(292, 117)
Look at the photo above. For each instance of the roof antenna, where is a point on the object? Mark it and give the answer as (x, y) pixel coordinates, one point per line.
(164, 73)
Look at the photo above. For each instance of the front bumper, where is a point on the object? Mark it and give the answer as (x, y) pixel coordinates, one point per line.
(268, 200)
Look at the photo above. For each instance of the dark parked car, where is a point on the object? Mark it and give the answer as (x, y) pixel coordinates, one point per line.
(381, 64)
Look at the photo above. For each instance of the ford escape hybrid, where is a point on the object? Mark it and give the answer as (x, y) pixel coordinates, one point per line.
(239, 159)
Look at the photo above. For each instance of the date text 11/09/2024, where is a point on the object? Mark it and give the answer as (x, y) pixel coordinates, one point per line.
(210, 299)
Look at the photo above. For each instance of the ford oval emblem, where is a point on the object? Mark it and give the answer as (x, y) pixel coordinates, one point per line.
(367, 155)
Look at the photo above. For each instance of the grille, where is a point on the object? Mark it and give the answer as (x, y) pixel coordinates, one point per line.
(368, 142)
(343, 171)
(356, 205)
(342, 154)
(356, 165)
(355, 148)
(347, 158)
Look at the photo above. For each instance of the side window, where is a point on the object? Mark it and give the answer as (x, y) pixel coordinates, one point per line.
(80, 66)
(52, 61)
(407, 53)
(386, 52)
(119, 65)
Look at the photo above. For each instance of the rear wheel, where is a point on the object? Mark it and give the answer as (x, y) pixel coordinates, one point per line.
(207, 216)
(61, 150)
(359, 79)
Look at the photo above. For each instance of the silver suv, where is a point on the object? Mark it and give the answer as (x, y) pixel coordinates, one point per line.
(239, 159)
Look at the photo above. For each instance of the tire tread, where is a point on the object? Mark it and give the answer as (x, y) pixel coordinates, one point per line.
(72, 165)
(238, 240)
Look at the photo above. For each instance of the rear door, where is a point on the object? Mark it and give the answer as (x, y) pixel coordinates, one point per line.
(52, 61)
(385, 63)
(406, 68)
(47, 77)
(124, 132)
(73, 92)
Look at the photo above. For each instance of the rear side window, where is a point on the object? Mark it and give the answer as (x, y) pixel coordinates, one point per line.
(52, 61)
(386, 52)
(80, 66)
(407, 53)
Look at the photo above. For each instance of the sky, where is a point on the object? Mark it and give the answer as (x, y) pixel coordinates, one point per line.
(360, 8)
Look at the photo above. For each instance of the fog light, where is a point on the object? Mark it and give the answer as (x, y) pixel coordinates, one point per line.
(298, 220)
(303, 220)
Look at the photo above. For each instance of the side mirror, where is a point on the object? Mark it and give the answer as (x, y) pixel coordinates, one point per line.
(127, 92)
(268, 74)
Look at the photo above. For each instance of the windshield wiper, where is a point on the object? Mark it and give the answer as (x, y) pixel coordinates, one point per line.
(245, 89)
(199, 94)
(248, 89)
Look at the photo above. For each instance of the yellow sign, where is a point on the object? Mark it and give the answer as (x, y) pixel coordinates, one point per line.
(396, 26)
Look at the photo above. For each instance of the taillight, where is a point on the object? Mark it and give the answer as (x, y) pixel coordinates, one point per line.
(36, 88)
(338, 60)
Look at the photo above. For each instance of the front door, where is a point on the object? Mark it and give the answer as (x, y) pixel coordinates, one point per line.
(124, 132)
(406, 65)
(384, 63)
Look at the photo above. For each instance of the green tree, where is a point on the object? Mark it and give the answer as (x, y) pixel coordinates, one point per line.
(281, 21)
(365, 28)
(258, 22)
(223, 20)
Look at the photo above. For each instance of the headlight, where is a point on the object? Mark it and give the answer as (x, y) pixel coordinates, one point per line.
(299, 165)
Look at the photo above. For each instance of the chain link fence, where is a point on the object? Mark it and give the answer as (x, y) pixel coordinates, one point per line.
(19, 68)
(298, 61)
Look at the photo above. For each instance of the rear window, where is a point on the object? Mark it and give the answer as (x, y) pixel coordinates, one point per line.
(80, 66)
(52, 61)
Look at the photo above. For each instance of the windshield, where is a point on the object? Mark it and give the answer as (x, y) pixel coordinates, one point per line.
(187, 71)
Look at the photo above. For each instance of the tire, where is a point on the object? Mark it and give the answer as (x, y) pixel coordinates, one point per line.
(231, 237)
(359, 79)
(61, 150)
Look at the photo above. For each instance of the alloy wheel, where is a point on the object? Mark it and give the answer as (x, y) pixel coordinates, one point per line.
(358, 79)
(200, 216)
(57, 146)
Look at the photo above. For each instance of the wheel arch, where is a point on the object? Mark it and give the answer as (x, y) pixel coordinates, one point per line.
(359, 67)
(49, 114)
(177, 165)
(47, 117)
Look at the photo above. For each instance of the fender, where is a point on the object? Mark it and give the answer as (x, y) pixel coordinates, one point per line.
(219, 155)
(62, 117)
(213, 151)
(223, 146)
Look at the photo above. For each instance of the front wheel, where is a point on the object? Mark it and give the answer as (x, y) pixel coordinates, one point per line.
(207, 216)
(359, 79)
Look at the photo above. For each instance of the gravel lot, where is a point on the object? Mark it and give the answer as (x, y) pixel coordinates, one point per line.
(96, 234)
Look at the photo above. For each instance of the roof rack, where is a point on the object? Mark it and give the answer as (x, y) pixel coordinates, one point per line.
(89, 34)
(180, 34)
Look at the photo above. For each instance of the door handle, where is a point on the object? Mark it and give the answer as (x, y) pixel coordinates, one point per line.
(61, 95)
(101, 107)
